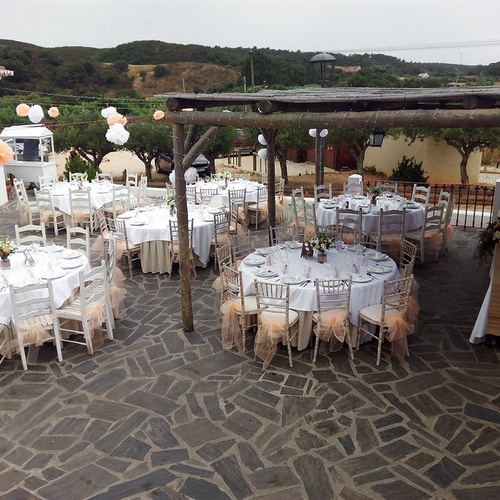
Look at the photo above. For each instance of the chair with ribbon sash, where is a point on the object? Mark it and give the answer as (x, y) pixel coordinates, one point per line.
(101, 242)
(175, 248)
(303, 213)
(332, 315)
(82, 213)
(238, 311)
(447, 226)
(124, 249)
(321, 192)
(78, 238)
(222, 231)
(349, 225)
(89, 309)
(28, 209)
(390, 316)
(391, 232)
(407, 258)
(48, 213)
(241, 246)
(258, 211)
(429, 237)
(116, 281)
(276, 321)
(31, 233)
(33, 318)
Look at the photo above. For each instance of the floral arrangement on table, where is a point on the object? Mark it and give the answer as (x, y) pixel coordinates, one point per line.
(373, 191)
(225, 175)
(488, 240)
(170, 200)
(6, 247)
(321, 241)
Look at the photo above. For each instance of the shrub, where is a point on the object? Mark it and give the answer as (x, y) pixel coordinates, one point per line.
(372, 170)
(160, 71)
(75, 163)
(408, 170)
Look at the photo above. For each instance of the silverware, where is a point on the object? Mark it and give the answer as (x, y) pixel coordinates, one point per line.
(305, 283)
(372, 275)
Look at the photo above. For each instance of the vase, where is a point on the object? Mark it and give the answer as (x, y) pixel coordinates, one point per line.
(172, 211)
(374, 200)
(225, 183)
(321, 257)
(6, 263)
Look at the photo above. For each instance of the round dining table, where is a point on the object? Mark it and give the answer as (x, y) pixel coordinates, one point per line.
(285, 264)
(149, 227)
(326, 211)
(223, 191)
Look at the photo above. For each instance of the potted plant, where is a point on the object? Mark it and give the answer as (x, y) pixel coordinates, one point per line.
(374, 191)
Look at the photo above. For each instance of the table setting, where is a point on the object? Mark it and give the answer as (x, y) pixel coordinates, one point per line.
(282, 263)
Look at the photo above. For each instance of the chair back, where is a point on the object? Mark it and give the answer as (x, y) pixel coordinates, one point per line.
(279, 190)
(444, 198)
(448, 214)
(131, 180)
(349, 225)
(233, 283)
(322, 192)
(78, 238)
(191, 193)
(407, 258)
(391, 227)
(387, 186)
(241, 246)
(433, 220)
(206, 195)
(111, 259)
(332, 294)
(101, 221)
(45, 206)
(81, 208)
(174, 232)
(224, 255)
(280, 234)
(241, 177)
(273, 298)
(47, 181)
(104, 176)
(29, 303)
(238, 196)
(94, 287)
(396, 293)
(31, 233)
(421, 194)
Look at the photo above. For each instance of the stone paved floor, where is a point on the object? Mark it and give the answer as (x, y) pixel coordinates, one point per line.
(166, 415)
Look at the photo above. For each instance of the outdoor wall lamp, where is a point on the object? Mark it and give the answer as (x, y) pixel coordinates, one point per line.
(376, 137)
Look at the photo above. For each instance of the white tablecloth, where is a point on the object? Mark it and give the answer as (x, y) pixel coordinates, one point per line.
(156, 229)
(100, 194)
(47, 264)
(303, 298)
(326, 213)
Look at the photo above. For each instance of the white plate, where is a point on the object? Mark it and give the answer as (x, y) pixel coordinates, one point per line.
(263, 251)
(208, 219)
(296, 245)
(360, 278)
(53, 248)
(71, 254)
(126, 215)
(213, 210)
(293, 280)
(254, 260)
(137, 223)
(411, 205)
(52, 275)
(379, 269)
(73, 264)
(267, 273)
(377, 256)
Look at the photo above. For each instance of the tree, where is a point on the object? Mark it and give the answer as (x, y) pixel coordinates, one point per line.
(221, 146)
(84, 130)
(356, 140)
(290, 138)
(464, 140)
(147, 140)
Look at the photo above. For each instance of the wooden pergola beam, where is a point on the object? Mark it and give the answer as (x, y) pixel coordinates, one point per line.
(435, 118)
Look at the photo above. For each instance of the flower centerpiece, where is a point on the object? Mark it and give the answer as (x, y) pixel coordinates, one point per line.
(321, 242)
(170, 202)
(6, 247)
(225, 176)
(488, 240)
(373, 192)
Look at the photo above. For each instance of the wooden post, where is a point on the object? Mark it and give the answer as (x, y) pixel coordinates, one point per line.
(182, 221)
(269, 135)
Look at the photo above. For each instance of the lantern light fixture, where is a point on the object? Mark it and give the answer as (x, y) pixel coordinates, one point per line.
(377, 137)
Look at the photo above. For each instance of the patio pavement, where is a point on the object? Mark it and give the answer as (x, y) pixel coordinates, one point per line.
(167, 415)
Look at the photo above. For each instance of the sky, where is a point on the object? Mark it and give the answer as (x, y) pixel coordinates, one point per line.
(449, 31)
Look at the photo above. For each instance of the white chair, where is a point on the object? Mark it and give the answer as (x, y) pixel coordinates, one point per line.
(26, 235)
(191, 193)
(238, 311)
(104, 176)
(82, 213)
(33, 318)
(78, 238)
(444, 198)
(206, 195)
(447, 226)
(322, 192)
(221, 234)
(332, 313)
(304, 219)
(421, 194)
(47, 181)
(28, 209)
(276, 321)
(389, 317)
(174, 247)
(224, 255)
(429, 237)
(120, 202)
(241, 246)
(238, 197)
(127, 250)
(48, 213)
(257, 212)
(88, 308)
(391, 232)
(131, 180)
(279, 191)
(407, 258)
(349, 225)
(387, 186)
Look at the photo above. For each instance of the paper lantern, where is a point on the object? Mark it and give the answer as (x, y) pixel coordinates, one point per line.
(323, 133)
(117, 134)
(22, 109)
(35, 113)
(191, 175)
(115, 118)
(262, 139)
(262, 154)
(312, 132)
(172, 178)
(53, 112)
(108, 111)
(6, 153)
(158, 114)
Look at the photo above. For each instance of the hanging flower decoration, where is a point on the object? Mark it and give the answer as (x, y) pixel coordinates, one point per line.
(6, 153)
(53, 112)
(488, 240)
(115, 118)
(35, 113)
(108, 111)
(22, 109)
(117, 134)
(191, 175)
(158, 114)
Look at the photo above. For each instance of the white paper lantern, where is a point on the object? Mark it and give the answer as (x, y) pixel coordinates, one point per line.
(108, 111)
(323, 133)
(117, 134)
(312, 132)
(172, 178)
(262, 140)
(35, 113)
(262, 154)
(191, 175)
